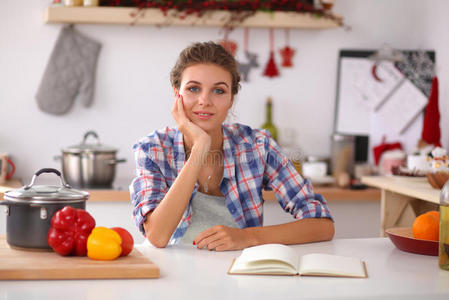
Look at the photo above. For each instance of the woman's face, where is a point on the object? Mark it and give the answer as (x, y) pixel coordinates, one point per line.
(206, 91)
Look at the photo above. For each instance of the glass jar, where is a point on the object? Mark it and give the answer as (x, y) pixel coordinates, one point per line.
(73, 2)
(342, 154)
(443, 252)
(90, 2)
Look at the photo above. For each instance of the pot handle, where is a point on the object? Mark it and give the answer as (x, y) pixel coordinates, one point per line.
(92, 133)
(47, 170)
(6, 203)
(115, 161)
(43, 211)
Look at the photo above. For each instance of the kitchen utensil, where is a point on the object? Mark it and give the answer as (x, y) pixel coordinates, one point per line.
(417, 162)
(437, 179)
(391, 159)
(314, 169)
(29, 210)
(89, 165)
(402, 238)
(4, 162)
(342, 154)
(18, 265)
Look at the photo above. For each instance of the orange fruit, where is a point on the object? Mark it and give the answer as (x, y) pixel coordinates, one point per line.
(426, 226)
(434, 213)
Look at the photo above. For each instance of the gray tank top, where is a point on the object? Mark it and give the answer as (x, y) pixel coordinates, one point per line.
(207, 211)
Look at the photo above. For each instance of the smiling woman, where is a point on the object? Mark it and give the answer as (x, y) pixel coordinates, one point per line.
(202, 182)
(205, 96)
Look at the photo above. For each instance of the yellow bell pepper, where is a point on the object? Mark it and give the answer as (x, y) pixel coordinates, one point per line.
(104, 244)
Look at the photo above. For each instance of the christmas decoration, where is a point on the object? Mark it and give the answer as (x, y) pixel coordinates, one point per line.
(287, 53)
(383, 147)
(271, 69)
(431, 132)
(244, 68)
(419, 68)
(240, 9)
(229, 45)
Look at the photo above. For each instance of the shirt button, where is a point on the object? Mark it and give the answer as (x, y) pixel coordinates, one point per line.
(232, 211)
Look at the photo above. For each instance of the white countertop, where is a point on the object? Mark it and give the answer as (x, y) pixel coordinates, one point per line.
(189, 273)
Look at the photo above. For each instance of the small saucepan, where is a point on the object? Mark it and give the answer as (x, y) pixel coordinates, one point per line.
(29, 210)
(89, 165)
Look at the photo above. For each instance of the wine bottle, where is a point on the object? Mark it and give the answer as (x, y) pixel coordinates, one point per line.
(443, 250)
(269, 125)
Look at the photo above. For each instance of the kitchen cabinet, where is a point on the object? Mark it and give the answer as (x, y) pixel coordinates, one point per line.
(153, 16)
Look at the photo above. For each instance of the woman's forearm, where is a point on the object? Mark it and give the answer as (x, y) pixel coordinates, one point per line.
(162, 222)
(296, 232)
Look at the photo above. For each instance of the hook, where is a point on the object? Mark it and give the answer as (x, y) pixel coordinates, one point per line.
(388, 53)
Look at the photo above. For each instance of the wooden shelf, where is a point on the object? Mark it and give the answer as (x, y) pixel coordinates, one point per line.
(109, 196)
(153, 16)
(330, 193)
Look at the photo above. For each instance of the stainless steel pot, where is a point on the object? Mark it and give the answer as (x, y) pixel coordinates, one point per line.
(29, 210)
(90, 165)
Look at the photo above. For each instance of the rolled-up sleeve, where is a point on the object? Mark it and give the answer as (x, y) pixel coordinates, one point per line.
(148, 188)
(293, 192)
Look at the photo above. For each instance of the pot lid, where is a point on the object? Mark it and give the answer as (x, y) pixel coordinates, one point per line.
(89, 147)
(33, 193)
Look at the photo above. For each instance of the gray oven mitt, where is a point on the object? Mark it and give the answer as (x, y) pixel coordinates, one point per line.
(70, 72)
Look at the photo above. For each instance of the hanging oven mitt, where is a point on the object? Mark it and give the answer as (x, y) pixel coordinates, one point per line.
(70, 72)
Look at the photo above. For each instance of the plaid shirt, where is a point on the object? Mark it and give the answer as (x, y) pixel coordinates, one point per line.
(252, 161)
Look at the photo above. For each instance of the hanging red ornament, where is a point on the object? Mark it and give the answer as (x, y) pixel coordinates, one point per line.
(287, 53)
(271, 69)
(229, 45)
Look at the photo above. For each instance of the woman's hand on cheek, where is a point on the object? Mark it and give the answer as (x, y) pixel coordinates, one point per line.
(222, 238)
(192, 131)
(178, 112)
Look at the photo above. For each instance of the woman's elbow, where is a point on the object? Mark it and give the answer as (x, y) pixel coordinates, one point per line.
(329, 230)
(158, 242)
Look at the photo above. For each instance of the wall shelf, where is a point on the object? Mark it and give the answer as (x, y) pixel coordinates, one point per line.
(153, 16)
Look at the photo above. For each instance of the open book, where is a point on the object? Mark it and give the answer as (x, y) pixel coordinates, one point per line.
(277, 259)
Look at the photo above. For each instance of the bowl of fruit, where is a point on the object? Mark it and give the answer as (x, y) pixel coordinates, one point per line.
(421, 238)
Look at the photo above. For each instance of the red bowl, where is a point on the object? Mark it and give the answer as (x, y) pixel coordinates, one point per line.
(402, 238)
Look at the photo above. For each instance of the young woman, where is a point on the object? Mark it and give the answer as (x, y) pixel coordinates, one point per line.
(202, 182)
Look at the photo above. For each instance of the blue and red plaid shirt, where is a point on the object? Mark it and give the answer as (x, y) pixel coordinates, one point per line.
(252, 161)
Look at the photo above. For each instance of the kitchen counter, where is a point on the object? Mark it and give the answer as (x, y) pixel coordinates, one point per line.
(113, 208)
(189, 273)
(330, 193)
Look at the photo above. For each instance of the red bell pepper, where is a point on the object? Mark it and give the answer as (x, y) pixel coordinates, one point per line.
(69, 230)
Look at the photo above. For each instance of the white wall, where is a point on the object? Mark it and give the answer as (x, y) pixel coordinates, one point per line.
(133, 95)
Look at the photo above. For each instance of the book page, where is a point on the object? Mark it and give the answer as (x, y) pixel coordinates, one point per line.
(270, 258)
(331, 265)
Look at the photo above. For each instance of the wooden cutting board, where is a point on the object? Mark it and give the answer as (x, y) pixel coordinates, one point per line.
(22, 264)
